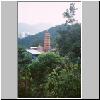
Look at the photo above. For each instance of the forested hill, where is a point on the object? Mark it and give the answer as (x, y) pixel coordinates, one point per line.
(35, 40)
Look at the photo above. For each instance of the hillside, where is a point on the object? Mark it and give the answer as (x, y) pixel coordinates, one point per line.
(35, 40)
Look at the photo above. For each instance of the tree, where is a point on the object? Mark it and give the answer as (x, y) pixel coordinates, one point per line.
(64, 84)
(24, 75)
(40, 68)
(69, 42)
(44, 64)
(69, 14)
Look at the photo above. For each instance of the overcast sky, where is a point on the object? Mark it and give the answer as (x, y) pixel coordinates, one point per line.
(45, 12)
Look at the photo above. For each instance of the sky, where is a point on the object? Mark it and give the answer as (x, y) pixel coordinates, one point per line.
(46, 13)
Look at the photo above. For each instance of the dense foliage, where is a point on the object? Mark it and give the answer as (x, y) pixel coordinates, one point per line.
(24, 75)
(63, 83)
(50, 75)
(69, 42)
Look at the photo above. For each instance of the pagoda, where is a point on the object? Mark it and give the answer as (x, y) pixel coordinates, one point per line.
(47, 46)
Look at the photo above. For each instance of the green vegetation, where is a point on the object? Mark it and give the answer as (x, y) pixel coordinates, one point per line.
(69, 42)
(50, 75)
(24, 75)
(53, 74)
